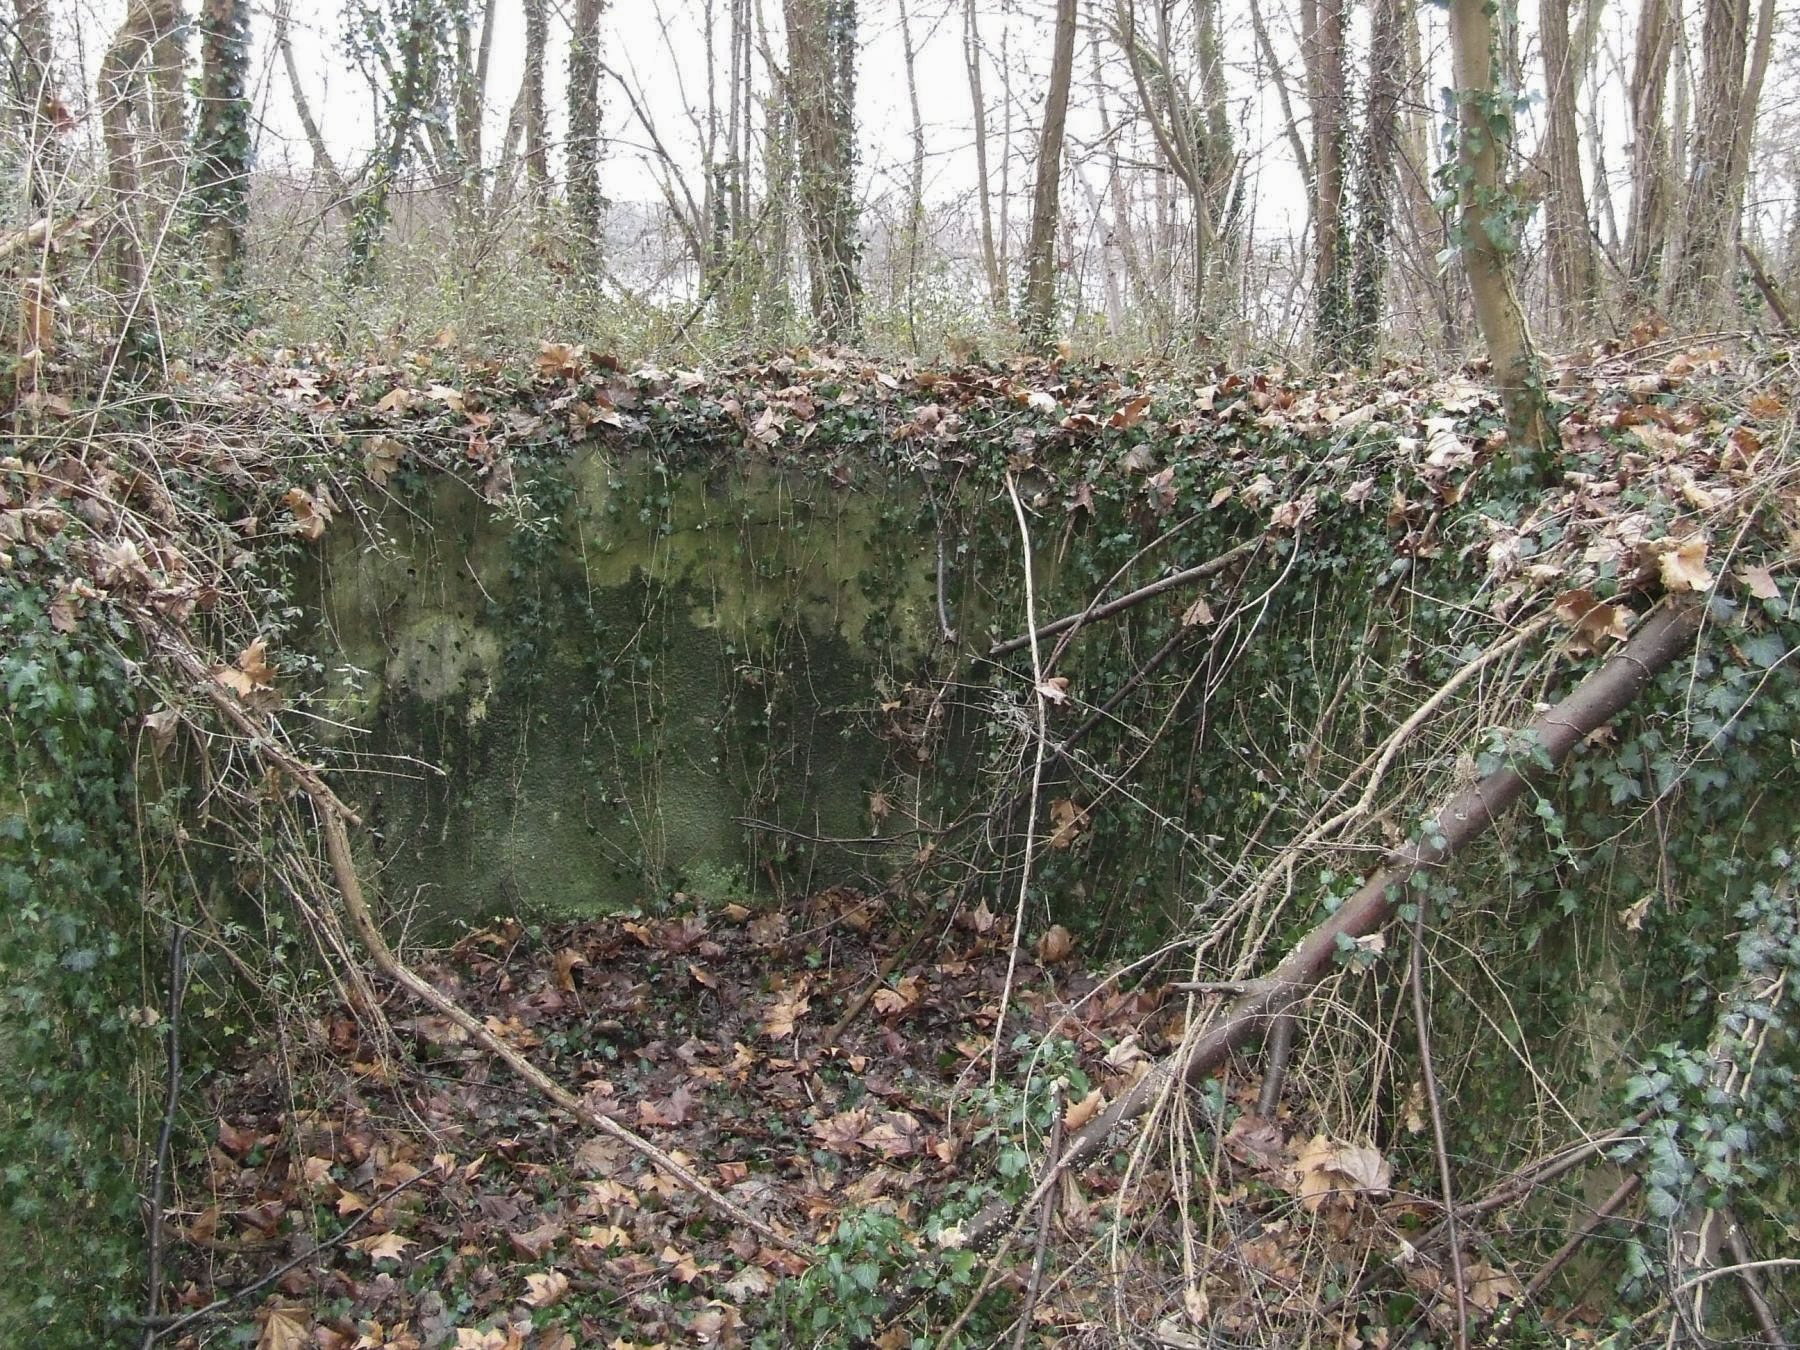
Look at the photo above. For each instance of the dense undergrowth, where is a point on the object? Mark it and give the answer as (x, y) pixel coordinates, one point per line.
(1224, 763)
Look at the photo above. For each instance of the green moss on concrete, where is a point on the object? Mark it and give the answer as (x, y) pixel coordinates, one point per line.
(570, 705)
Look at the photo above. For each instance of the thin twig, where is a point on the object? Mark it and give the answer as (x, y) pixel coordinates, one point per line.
(156, 1333)
(1124, 602)
(1746, 1273)
(1422, 1023)
(1045, 1213)
(1037, 778)
(1596, 1221)
(159, 1169)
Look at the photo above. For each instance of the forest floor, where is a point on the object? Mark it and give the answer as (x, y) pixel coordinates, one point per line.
(435, 1201)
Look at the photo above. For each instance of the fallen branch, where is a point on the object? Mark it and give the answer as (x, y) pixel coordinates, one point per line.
(333, 814)
(337, 846)
(1176, 579)
(1662, 637)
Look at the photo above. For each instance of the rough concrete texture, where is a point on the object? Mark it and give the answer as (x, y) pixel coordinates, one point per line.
(565, 708)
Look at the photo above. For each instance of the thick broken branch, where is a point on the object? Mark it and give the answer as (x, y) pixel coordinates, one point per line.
(1597, 700)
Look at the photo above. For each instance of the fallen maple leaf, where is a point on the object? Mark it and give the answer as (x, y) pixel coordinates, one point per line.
(1056, 944)
(1593, 619)
(287, 1327)
(383, 1246)
(784, 1014)
(566, 961)
(546, 1288)
(1069, 820)
(1683, 565)
(1329, 1169)
(1756, 580)
(1081, 1112)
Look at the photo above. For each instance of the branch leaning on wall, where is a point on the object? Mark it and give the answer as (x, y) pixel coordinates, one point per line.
(1659, 640)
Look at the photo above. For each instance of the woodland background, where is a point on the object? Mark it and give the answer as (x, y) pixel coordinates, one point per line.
(1179, 177)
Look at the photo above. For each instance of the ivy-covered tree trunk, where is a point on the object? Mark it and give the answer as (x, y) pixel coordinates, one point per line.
(1322, 45)
(537, 127)
(821, 89)
(1486, 232)
(222, 138)
(410, 78)
(1039, 317)
(1375, 181)
(585, 202)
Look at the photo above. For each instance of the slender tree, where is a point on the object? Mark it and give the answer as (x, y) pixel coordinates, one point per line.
(990, 256)
(537, 127)
(1485, 228)
(411, 71)
(121, 90)
(584, 150)
(1646, 234)
(222, 138)
(1038, 319)
(43, 115)
(1568, 238)
(821, 37)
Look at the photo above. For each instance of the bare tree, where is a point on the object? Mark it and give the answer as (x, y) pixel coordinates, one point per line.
(1039, 317)
(990, 257)
(1647, 232)
(536, 125)
(821, 37)
(43, 113)
(1706, 252)
(122, 84)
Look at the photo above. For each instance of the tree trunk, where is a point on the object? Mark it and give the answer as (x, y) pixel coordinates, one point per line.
(990, 256)
(1700, 287)
(1322, 48)
(1646, 234)
(1488, 243)
(1567, 237)
(915, 193)
(1375, 181)
(315, 140)
(222, 138)
(585, 202)
(1039, 319)
(537, 159)
(409, 81)
(821, 38)
(165, 158)
(120, 84)
(43, 115)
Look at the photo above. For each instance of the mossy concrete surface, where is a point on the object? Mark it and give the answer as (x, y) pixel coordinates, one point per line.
(570, 705)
